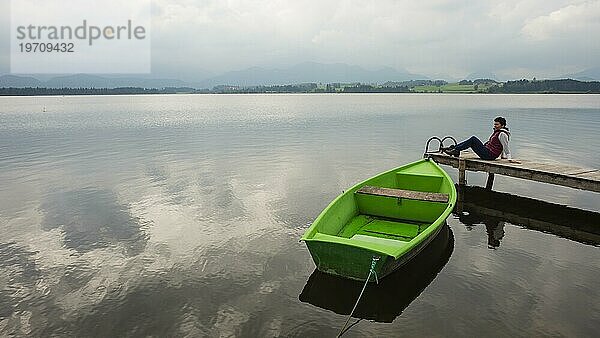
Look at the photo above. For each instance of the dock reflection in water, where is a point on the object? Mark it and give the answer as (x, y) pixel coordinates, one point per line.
(477, 206)
(385, 301)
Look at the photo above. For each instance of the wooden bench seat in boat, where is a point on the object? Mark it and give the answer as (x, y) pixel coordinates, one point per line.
(401, 193)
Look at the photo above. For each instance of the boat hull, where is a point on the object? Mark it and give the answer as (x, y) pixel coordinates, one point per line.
(385, 301)
(355, 262)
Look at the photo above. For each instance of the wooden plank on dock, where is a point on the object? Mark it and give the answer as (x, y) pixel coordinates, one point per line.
(584, 171)
(553, 173)
(595, 175)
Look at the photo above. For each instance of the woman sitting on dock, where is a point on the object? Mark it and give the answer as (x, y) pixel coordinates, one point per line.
(497, 145)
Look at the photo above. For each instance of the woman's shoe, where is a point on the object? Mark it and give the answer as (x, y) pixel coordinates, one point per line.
(452, 152)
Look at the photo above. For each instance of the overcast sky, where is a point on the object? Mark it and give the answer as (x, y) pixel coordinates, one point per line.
(437, 38)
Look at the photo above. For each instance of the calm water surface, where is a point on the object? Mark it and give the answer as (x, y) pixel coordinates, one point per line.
(180, 216)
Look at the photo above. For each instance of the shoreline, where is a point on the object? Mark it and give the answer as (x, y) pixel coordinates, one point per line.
(293, 93)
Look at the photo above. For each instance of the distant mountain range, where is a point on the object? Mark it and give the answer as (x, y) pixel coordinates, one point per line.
(88, 81)
(481, 75)
(300, 73)
(19, 81)
(308, 72)
(591, 74)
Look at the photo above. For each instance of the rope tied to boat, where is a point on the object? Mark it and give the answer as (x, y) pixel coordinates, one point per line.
(372, 271)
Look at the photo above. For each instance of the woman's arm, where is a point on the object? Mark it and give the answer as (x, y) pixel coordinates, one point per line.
(505, 148)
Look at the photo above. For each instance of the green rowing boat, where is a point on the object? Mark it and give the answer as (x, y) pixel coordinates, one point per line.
(388, 218)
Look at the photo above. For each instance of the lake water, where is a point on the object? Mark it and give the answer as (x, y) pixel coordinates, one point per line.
(180, 216)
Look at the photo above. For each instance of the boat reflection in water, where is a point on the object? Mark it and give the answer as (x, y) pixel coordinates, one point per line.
(476, 206)
(385, 301)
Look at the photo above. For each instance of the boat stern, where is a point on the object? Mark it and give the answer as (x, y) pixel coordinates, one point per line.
(347, 261)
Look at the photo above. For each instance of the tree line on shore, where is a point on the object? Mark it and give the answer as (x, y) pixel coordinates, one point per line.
(509, 87)
(546, 86)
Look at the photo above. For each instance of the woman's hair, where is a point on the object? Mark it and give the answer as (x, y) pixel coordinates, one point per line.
(501, 120)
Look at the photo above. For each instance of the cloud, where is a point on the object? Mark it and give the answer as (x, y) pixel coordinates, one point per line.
(567, 22)
(430, 37)
(193, 39)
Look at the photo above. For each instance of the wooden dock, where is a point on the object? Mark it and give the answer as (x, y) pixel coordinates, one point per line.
(558, 174)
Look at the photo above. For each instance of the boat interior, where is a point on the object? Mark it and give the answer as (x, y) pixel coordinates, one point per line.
(388, 210)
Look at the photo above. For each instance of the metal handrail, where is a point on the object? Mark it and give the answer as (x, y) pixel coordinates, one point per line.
(441, 145)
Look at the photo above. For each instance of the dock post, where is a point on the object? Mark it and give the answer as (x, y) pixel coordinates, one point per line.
(462, 172)
(490, 181)
(460, 199)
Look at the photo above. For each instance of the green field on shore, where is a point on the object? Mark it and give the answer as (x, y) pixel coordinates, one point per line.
(452, 88)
